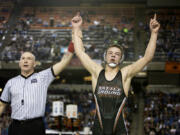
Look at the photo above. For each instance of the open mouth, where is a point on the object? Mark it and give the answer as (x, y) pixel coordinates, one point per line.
(112, 60)
(25, 65)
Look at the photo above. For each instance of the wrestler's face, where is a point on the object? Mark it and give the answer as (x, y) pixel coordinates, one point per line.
(27, 62)
(113, 55)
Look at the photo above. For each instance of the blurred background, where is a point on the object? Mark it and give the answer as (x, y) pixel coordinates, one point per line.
(44, 28)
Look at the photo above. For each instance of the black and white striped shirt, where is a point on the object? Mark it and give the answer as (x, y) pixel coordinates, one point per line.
(27, 96)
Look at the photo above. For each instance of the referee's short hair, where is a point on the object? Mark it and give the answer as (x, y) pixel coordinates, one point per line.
(29, 53)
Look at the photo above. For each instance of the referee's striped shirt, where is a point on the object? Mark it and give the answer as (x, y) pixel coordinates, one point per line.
(27, 95)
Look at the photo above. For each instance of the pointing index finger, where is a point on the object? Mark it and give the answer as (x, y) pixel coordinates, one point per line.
(78, 13)
(154, 16)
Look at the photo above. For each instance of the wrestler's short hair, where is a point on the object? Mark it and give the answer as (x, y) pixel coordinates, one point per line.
(115, 45)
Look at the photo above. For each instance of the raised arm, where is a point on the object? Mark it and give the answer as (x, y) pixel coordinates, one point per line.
(136, 67)
(87, 62)
(58, 67)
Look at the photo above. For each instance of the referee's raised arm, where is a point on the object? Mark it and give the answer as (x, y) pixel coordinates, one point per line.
(58, 67)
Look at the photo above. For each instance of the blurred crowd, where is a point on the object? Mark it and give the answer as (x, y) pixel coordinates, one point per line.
(5, 11)
(46, 31)
(162, 114)
(31, 34)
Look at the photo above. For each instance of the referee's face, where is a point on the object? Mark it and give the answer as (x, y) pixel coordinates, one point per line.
(27, 62)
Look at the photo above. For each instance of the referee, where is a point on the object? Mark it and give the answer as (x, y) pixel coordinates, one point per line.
(26, 93)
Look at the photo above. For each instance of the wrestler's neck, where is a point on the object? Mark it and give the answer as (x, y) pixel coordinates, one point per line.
(109, 69)
(27, 73)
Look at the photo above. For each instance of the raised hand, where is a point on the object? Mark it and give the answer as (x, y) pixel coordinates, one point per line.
(154, 25)
(76, 21)
(76, 24)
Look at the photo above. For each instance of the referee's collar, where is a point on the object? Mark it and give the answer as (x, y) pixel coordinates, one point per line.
(25, 77)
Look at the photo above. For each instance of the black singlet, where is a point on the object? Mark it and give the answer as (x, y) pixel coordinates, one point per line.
(110, 100)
